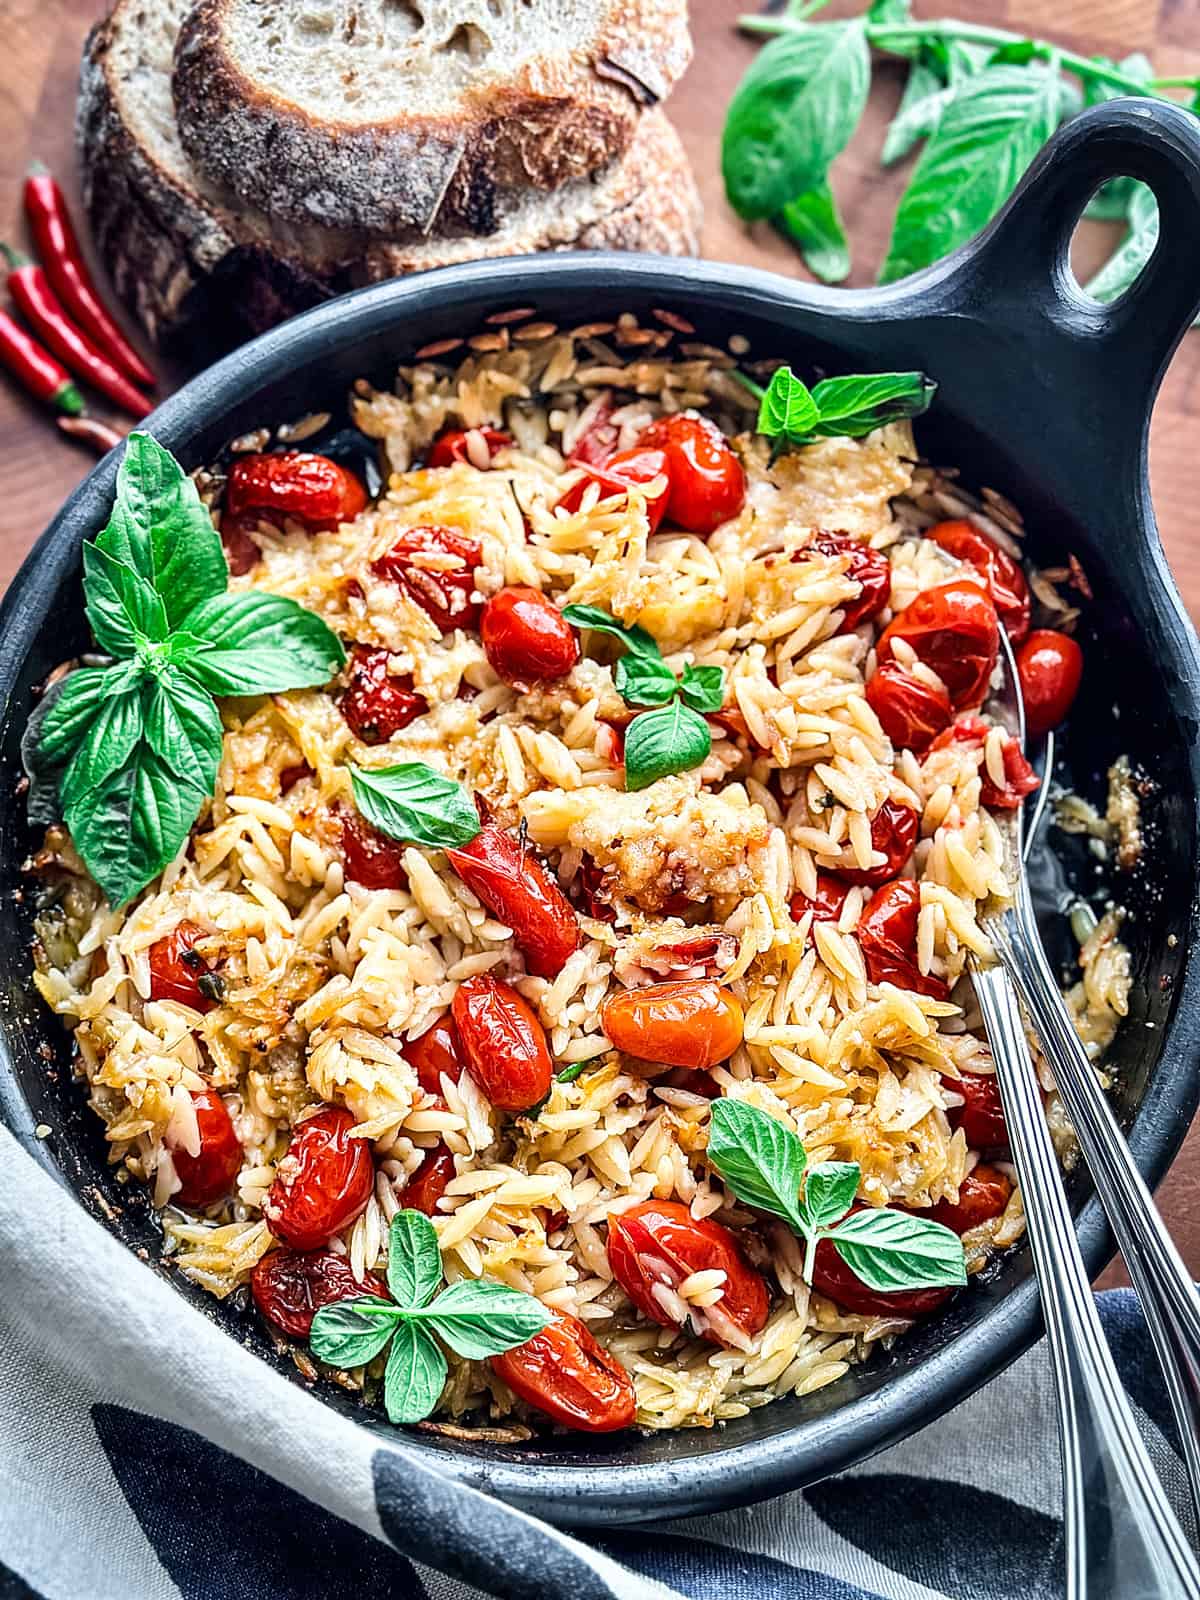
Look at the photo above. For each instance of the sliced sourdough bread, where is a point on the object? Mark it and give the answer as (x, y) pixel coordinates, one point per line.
(397, 115)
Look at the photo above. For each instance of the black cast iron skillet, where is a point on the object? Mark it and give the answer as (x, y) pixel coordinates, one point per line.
(1044, 395)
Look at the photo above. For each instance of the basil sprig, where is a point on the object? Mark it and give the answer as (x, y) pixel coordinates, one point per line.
(477, 1318)
(135, 746)
(413, 803)
(848, 407)
(673, 737)
(764, 1164)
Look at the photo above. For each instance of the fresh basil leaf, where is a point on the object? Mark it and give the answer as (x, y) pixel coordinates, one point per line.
(644, 680)
(793, 112)
(924, 100)
(956, 59)
(183, 725)
(347, 1334)
(415, 1375)
(414, 1268)
(760, 1160)
(829, 1192)
(76, 701)
(857, 405)
(703, 688)
(635, 639)
(116, 726)
(811, 220)
(160, 528)
(415, 804)
(673, 738)
(884, 13)
(1124, 266)
(1111, 201)
(256, 643)
(987, 136)
(1137, 66)
(892, 1250)
(787, 409)
(121, 607)
(479, 1318)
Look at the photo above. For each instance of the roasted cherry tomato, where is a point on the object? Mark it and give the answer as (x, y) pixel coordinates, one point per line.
(708, 486)
(208, 1175)
(428, 1183)
(510, 880)
(1002, 576)
(177, 971)
(692, 1022)
(954, 630)
(418, 562)
(322, 1183)
(894, 831)
(242, 554)
(311, 489)
(981, 1115)
(291, 1286)
(434, 1053)
(375, 703)
(982, 1195)
(887, 937)
(1019, 777)
(597, 441)
(659, 1242)
(910, 712)
(841, 1284)
(870, 569)
(563, 1372)
(372, 859)
(503, 1043)
(526, 638)
(454, 445)
(1049, 666)
(637, 467)
(830, 898)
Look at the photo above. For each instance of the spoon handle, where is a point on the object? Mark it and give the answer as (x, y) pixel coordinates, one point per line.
(1122, 1539)
(1164, 1285)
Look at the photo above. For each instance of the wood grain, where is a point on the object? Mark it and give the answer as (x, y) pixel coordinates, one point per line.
(38, 73)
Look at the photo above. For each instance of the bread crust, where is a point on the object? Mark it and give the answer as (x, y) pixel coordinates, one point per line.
(553, 123)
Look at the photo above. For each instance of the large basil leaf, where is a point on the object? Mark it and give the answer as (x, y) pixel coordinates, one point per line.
(76, 701)
(673, 738)
(112, 735)
(787, 409)
(479, 1318)
(924, 100)
(415, 1374)
(121, 606)
(829, 1192)
(350, 1333)
(415, 804)
(891, 1250)
(414, 1267)
(1123, 267)
(760, 1160)
(184, 727)
(644, 680)
(634, 637)
(811, 220)
(856, 405)
(256, 643)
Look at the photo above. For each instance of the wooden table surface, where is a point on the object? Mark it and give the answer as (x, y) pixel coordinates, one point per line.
(38, 73)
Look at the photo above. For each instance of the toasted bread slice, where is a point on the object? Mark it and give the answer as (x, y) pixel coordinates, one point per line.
(397, 115)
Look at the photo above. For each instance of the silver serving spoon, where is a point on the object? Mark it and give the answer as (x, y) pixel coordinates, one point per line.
(1122, 1538)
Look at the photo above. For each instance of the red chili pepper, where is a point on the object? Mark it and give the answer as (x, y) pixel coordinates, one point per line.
(98, 436)
(42, 309)
(36, 368)
(58, 249)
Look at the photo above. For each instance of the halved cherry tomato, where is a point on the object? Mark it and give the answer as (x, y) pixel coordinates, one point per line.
(444, 593)
(428, 1183)
(1002, 576)
(981, 1115)
(291, 1286)
(1049, 666)
(565, 1373)
(841, 1284)
(510, 880)
(375, 703)
(637, 467)
(827, 905)
(954, 630)
(894, 831)
(503, 1043)
(322, 1183)
(1019, 777)
(242, 553)
(372, 859)
(452, 446)
(526, 638)
(660, 1242)
(312, 489)
(708, 486)
(692, 1022)
(982, 1195)
(598, 440)
(177, 970)
(887, 937)
(910, 711)
(434, 1053)
(208, 1175)
(870, 569)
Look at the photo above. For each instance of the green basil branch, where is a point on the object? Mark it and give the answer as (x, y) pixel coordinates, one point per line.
(848, 407)
(764, 1164)
(477, 1318)
(135, 746)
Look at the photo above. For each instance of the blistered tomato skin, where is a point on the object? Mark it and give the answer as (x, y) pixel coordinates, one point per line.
(322, 1183)
(503, 1043)
(841, 1284)
(982, 1195)
(660, 1242)
(1050, 667)
(870, 569)
(444, 593)
(209, 1175)
(428, 1183)
(435, 1052)
(708, 486)
(291, 1286)
(1002, 576)
(981, 1116)
(954, 630)
(636, 467)
(453, 445)
(507, 876)
(828, 902)
(887, 937)
(910, 711)
(692, 1022)
(375, 703)
(526, 638)
(176, 968)
(894, 831)
(371, 858)
(563, 1372)
(311, 489)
